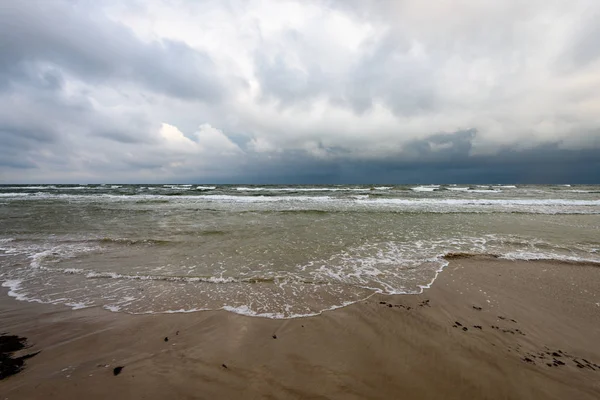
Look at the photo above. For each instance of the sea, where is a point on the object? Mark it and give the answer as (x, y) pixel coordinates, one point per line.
(275, 251)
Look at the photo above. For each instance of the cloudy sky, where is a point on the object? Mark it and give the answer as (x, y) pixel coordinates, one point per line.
(334, 91)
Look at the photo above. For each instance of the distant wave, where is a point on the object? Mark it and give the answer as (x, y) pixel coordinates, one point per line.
(300, 189)
(265, 198)
(429, 188)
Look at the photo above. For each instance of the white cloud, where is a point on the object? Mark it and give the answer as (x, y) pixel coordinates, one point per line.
(212, 140)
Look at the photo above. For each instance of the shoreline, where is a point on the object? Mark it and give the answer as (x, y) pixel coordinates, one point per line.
(386, 346)
(10, 287)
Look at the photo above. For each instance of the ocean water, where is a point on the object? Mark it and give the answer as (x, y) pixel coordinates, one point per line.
(272, 251)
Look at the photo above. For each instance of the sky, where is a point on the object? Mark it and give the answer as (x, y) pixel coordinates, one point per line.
(337, 91)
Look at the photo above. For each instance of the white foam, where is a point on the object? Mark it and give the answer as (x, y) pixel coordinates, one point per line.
(28, 187)
(14, 194)
(13, 286)
(77, 305)
(429, 188)
(300, 189)
(532, 205)
(264, 199)
(485, 202)
(178, 187)
(379, 267)
(167, 278)
(533, 256)
(245, 310)
(437, 272)
(206, 187)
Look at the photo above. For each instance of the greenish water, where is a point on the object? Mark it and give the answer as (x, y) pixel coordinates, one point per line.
(273, 251)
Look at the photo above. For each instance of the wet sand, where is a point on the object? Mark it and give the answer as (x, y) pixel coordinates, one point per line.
(487, 329)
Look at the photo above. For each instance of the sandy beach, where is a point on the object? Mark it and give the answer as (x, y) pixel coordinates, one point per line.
(486, 329)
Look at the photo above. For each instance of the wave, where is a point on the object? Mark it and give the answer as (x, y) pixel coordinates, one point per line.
(373, 267)
(27, 187)
(258, 199)
(486, 202)
(88, 274)
(178, 187)
(130, 242)
(372, 199)
(360, 200)
(152, 201)
(430, 188)
(14, 194)
(300, 189)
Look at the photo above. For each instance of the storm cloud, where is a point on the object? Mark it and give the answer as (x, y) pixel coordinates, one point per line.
(299, 92)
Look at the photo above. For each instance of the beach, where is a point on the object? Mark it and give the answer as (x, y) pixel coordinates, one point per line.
(299, 200)
(487, 328)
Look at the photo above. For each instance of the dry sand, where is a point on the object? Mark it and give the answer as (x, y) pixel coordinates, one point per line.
(539, 338)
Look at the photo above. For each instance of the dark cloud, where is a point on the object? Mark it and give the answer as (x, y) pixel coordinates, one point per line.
(425, 161)
(441, 146)
(83, 42)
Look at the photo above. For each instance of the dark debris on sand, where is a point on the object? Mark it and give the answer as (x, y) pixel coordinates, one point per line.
(390, 305)
(558, 358)
(10, 365)
(117, 370)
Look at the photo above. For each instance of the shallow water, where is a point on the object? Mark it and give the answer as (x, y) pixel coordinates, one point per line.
(273, 251)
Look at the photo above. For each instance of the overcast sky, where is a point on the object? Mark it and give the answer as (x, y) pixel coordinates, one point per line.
(300, 92)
